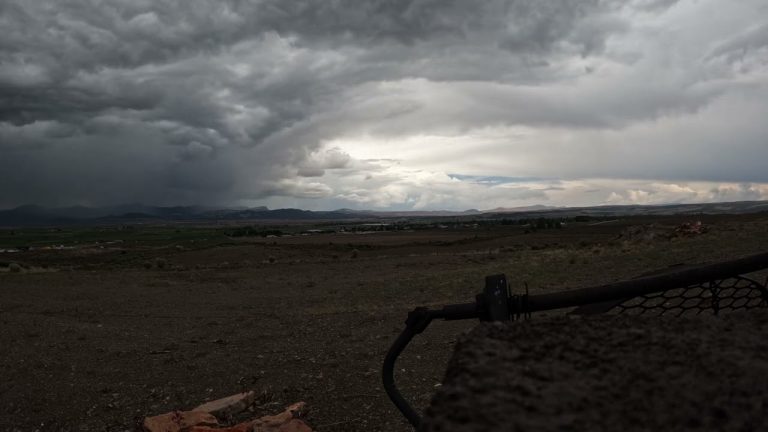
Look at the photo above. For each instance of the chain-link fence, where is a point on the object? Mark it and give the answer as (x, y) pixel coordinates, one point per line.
(717, 296)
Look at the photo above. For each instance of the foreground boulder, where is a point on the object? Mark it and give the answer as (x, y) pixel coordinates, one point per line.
(608, 373)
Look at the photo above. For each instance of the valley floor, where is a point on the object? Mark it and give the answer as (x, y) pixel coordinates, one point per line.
(94, 339)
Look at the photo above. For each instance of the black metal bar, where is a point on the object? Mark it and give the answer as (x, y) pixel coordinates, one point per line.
(388, 374)
(418, 320)
(459, 312)
(646, 285)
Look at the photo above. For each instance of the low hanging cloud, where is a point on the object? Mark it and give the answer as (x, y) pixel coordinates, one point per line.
(318, 162)
(397, 104)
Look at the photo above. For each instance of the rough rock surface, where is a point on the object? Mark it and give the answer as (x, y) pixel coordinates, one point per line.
(228, 406)
(608, 373)
(198, 420)
(178, 421)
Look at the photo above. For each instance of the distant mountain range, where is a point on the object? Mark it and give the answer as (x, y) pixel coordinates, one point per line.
(32, 215)
(35, 215)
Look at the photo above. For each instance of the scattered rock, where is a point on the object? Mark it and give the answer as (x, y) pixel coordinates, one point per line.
(651, 232)
(643, 233)
(227, 407)
(690, 229)
(294, 425)
(178, 421)
(201, 419)
(242, 427)
(268, 423)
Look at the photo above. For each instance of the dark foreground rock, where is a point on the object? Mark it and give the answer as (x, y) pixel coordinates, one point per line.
(608, 373)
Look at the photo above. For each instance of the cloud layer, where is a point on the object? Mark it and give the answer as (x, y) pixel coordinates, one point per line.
(388, 104)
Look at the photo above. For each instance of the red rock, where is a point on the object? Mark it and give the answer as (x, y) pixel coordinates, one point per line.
(286, 421)
(290, 413)
(178, 421)
(242, 427)
(228, 406)
(294, 425)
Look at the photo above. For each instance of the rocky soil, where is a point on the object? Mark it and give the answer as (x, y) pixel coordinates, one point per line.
(96, 337)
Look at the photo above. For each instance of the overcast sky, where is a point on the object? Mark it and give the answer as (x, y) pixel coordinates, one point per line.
(421, 104)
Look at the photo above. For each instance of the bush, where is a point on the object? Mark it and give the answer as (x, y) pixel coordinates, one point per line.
(160, 263)
(355, 253)
(14, 268)
(271, 259)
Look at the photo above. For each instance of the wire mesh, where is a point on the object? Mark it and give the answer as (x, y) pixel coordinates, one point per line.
(717, 296)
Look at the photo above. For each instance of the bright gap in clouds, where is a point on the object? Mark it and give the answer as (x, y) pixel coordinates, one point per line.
(404, 105)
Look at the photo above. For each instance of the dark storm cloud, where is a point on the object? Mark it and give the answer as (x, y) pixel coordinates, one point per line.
(195, 81)
(218, 101)
(79, 58)
(744, 52)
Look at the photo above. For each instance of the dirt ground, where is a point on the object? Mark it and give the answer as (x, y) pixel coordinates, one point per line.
(96, 337)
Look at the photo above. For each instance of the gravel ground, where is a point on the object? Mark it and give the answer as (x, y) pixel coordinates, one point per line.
(608, 373)
(96, 337)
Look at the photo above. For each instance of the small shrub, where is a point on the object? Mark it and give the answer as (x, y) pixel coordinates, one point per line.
(147, 265)
(355, 253)
(160, 263)
(14, 268)
(271, 259)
